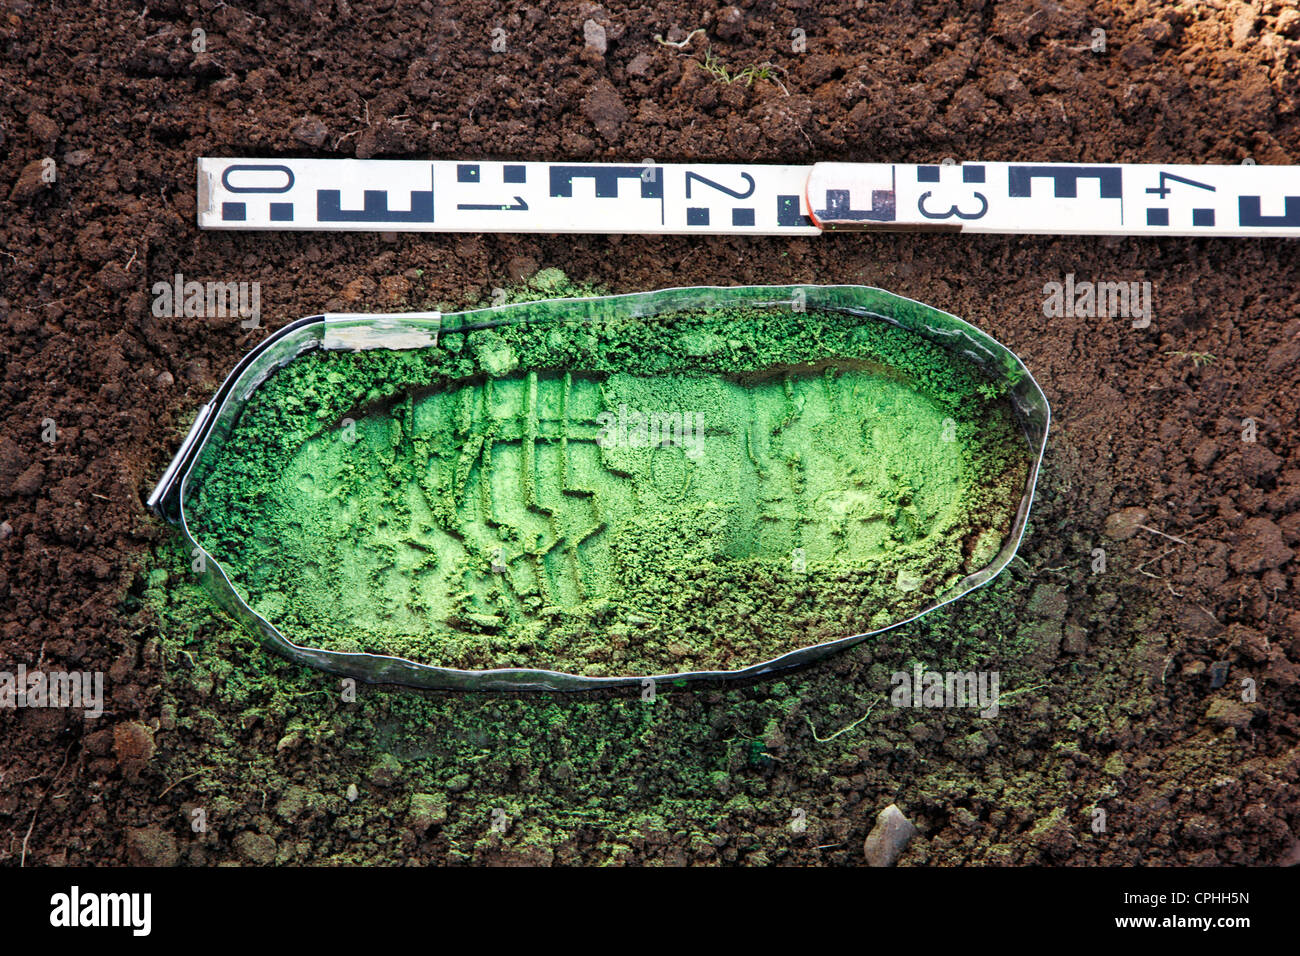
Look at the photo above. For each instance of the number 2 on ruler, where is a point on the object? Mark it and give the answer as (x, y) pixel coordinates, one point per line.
(735, 194)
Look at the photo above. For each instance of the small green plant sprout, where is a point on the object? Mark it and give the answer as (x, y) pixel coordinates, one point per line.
(1199, 359)
(755, 71)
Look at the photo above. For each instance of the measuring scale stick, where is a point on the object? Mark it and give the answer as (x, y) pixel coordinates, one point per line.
(1050, 199)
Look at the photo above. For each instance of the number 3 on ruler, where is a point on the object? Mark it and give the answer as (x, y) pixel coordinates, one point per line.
(952, 210)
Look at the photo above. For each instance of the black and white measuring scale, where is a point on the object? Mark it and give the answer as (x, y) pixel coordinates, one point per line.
(742, 198)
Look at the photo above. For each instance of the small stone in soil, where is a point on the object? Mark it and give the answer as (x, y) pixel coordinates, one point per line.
(605, 109)
(593, 35)
(889, 837)
(310, 131)
(1125, 523)
(731, 22)
(30, 183)
(640, 64)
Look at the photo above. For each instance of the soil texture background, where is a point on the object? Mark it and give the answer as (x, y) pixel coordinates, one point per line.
(1161, 690)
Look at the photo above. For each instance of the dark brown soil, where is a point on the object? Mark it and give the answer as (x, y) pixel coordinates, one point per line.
(1130, 713)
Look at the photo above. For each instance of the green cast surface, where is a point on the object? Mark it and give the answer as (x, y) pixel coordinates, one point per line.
(705, 490)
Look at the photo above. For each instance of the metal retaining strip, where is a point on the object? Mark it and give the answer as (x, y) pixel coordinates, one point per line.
(419, 330)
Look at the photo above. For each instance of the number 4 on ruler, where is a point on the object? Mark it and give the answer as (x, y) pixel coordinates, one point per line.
(1159, 216)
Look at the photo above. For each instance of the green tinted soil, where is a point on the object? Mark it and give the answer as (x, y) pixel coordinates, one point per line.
(694, 492)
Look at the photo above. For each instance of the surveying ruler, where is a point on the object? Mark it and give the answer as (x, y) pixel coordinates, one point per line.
(1058, 199)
